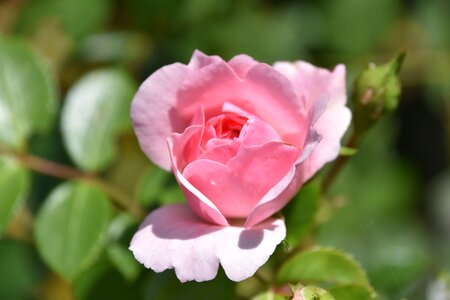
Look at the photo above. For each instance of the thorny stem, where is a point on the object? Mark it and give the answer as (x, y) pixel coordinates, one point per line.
(337, 166)
(54, 169)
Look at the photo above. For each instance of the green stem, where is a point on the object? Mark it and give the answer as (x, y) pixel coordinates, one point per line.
(57, 170)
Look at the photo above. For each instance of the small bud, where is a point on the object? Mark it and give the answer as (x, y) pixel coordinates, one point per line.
(376, 91)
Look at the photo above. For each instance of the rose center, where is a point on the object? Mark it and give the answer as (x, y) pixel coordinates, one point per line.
(225, 126)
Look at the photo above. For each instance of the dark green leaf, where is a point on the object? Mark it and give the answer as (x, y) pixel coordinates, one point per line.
(151, 185)
(19, 271)
(97, 109)
(300, 212)
(118, 254)
(27, 94)
(124, 261)
(79, 17)
(71, 227)
(14, 181)
(322, 265)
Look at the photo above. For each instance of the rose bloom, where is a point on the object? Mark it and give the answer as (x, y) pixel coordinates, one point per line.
(241, 137)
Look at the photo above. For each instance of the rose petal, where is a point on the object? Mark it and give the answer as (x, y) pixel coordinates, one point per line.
(200, 60)
(331, 126)
(236, 188)
(263, 92)
(241, 64)
(174, 237)
(199, 203)
(153, 112)
(312, 82)
(280, 194)
(255, 131)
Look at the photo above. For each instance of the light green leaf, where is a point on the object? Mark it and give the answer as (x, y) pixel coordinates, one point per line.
(346, 151)
(14, 181)
(351, 292)
(71, 227)
(97, 109)
(172, 195)
(269, 295)
(300, 212)
(322, 265)
(27, 94)
(314, 293)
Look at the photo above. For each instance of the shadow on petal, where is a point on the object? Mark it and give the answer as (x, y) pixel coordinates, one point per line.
(250, 238)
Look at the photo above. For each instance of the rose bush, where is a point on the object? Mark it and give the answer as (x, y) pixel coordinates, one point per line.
(241, 138)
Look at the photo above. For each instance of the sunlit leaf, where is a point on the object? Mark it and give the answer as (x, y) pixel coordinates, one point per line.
(346, 151)
(270, 295)
(13, 185)
(313, 293)
(97, 108)
(322, 265)
(27, 94)
(71, 227)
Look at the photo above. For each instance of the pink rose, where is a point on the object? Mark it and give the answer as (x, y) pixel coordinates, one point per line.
(241, 138)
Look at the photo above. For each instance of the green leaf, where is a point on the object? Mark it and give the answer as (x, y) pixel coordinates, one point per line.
(14, 181)
(27, 94)
(269, 295)
(124, 261)
(314, 293)
(151, 185)
(71, 227)
(322, 265)
(300, 212)
(119, 255)
(79, 17)
(351, 292)
(19, 271)
(97, 109)
(172, 195)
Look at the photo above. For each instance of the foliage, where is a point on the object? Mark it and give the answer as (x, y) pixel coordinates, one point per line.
(74, 184)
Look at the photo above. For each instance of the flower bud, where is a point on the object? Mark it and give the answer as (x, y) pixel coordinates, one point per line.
(376, 92)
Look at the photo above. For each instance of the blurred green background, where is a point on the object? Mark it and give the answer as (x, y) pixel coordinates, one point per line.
(390, 207)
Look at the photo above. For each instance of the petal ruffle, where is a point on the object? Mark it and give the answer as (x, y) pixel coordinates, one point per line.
(174, 237)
